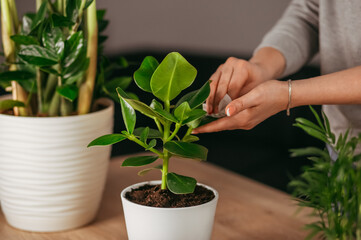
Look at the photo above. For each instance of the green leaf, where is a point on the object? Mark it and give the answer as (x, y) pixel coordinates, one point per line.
(195, 114)
(8, 104)
(151, 144)
(147, 170)
(156, 105)
(144, 135)
(16, 76)
(107, 140)
(317, 117)
(61, 21)
(24, 40)
(74, 47)
(190, 138)
(139, 161)
(309, 151)
(128, 114)
(53, 39)
(173, 75)
(179, 184)
(166, 115)
(315, 133)
(153, 133)
(139, 106)
(310, 124)
(122, 82)
(145, 72)
(182, 111)
(70, 92)
(187, 150)
(40, 15)
(72, 9)
(38, 55)
(50, 70)
(122, 62)
(27, 21)
(87, 3)
(196, 98)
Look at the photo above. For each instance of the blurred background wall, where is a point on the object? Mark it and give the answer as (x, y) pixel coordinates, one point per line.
(226, 27)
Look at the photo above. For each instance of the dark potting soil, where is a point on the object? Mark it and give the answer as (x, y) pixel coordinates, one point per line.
(154, 196)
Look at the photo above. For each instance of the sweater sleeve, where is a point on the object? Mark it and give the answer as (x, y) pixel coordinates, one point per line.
(295, 35)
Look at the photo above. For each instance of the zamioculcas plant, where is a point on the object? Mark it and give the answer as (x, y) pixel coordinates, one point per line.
(52, 66)
(165, 81)
(331, 186)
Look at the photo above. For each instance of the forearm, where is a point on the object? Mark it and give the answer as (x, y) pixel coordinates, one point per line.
(271, 61)
(343, 87)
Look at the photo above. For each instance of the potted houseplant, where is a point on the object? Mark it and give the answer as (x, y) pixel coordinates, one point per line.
(49, 180)
(157, 205)
(331, 186)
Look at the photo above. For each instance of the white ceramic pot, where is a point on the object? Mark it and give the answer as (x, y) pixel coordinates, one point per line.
(49, 179)
(152, 223)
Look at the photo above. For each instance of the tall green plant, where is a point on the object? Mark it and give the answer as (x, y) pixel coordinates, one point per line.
(331, 187)
(165, 81)
(53, 55)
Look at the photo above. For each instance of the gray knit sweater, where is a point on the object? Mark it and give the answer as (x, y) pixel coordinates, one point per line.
(332, 28)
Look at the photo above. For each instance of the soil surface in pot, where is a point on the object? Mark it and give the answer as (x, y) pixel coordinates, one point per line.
(154, 196)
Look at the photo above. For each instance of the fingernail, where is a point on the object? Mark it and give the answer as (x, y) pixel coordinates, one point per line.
(230, 111)
(194, 132)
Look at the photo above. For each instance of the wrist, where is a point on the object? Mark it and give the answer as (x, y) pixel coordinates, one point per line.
(271, 61)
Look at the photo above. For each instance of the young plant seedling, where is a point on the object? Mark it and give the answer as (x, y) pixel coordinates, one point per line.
(165, 81)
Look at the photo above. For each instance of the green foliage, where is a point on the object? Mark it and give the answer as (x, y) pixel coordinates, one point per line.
(51, 57)
(165, 81)
(331, 187)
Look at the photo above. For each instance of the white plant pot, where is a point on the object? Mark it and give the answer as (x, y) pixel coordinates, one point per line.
(49, 179)
(153, 223)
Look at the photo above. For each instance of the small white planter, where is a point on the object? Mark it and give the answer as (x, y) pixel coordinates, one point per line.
(49, 179)
(152, 223)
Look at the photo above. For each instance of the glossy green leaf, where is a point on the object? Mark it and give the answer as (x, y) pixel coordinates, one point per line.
(40, 16)
(72, 9)
(308, 123)
(190, 138)
(16, 76)
(74, 46)
(61, 21)
(147, 170)
(196, 98)
(139, 106)
(139, 161)
(107, 140)
(24, 40)
(153, 133)
(8, 104)
(27, 21)
(87, 3)
(156, 105)
(173, 75)
(145, 72)
(70, 92)
(179, 184)
(166, 115)
(152, 144)
(53, 39)
(194, 115)
(182, 111)
(311, 131)
(50, 70)
(144, 135)
(128, 114)
(122, 82)
(187, 150)
(37, 55)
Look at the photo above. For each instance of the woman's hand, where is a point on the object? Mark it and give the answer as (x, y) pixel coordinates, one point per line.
(252, 108)
(235, 77)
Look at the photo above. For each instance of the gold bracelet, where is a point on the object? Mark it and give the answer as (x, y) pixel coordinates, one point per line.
(289, 96)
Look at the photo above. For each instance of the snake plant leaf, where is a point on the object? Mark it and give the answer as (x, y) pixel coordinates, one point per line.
(182, 111)
(139, 161)
(18, 76)
(40, 15)
(61, 21)
(8, 104)
(147, 170)
(139, 106)
(37, 55)
(153, 133)
(187, 150)
(173, 75)
(194, 115)
(197, 97)
(144, 135)
(128, 114)
(53, 39)
(24, 40)
(145, 72)
(70, 92)
(108, 139)
(179, 184)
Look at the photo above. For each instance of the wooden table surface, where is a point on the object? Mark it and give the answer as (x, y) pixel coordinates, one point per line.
(246, 209)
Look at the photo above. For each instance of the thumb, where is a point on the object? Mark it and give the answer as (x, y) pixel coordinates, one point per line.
(246, 101)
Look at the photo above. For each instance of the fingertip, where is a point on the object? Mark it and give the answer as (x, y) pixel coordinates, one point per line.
(194, 132)
(230, 111)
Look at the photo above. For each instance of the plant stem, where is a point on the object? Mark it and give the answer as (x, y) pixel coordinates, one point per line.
(50, 87)
(136, 140)
(177, 127)
(87, 88)
(80, 16)
(39, 90)
(189, 132)
(158, 125)
(166, 155)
